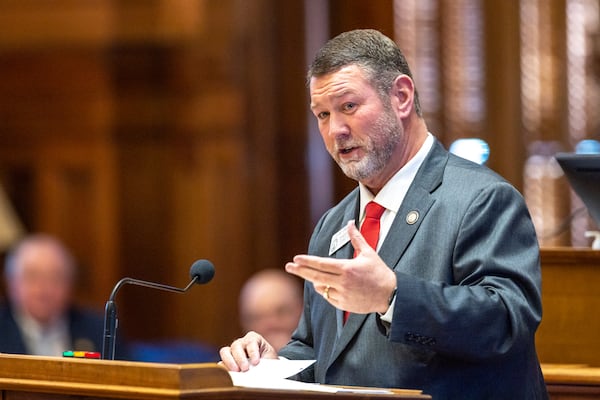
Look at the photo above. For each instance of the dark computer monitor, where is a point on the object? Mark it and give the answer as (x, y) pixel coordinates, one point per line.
(583, 173)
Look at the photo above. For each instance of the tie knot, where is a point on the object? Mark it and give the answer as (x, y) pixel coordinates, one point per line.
(374, 210)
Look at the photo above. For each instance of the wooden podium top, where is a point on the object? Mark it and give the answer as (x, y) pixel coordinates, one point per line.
(571, 374)
(52, 378)
(566, 256)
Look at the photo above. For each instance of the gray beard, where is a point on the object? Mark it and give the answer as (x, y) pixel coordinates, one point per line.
(379, 150)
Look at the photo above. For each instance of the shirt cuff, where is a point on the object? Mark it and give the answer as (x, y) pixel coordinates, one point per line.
(389, 314)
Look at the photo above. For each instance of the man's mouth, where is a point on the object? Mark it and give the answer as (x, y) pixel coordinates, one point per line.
(347, 150)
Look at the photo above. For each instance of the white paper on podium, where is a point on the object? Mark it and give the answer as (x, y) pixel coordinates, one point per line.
(272, 374)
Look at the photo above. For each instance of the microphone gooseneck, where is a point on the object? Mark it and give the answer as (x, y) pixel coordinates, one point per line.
(201, 271)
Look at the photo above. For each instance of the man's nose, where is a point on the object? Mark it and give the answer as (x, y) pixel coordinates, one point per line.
(337, 126)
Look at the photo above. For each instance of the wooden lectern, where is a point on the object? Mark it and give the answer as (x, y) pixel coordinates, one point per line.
(51, 378)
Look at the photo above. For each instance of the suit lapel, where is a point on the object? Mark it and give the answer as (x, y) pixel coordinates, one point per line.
(415, 206)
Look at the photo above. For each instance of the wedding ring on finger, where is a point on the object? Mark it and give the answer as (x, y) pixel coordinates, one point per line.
(326, 292)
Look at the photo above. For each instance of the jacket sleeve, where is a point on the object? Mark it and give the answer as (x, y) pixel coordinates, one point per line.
(491, 301)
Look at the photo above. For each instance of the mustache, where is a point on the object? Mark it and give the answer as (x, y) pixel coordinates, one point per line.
(342, 144)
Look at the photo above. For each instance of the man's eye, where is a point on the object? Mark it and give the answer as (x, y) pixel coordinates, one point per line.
(322, 115)
(349, 106)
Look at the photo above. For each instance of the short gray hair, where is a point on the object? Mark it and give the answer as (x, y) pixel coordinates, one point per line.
(378, 56)
(12, 257)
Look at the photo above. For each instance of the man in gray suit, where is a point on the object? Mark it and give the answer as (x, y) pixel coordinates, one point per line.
(449, 300)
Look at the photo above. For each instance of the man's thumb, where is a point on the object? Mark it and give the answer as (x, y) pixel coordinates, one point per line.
(356, 238)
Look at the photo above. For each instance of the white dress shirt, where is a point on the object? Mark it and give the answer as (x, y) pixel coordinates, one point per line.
(391, 196)
(43, 340)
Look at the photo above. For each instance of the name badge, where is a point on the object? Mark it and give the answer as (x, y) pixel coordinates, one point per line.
(339, 239)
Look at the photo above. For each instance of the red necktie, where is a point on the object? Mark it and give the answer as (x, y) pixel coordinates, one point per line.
(370, 229)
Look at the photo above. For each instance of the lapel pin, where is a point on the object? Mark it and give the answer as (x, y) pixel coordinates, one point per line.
(412, 217)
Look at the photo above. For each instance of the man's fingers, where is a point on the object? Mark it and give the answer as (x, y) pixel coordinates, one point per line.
(228, 360)
(246, 351)
(253, 351)
(236, 356)
(314, 267)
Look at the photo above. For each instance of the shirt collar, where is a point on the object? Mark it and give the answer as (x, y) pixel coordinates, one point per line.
(392, 193)
(33, 329)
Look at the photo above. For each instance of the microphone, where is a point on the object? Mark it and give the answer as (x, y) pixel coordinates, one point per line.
(201, 271)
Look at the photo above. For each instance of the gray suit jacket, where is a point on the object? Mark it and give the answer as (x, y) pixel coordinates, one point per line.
(468, 301)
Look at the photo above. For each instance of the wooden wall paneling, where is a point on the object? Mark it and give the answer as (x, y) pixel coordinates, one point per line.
(258, 74)
(346, 15)
(211, 203)
(502, 94)
(262, 223)
(543, 68)
(212, 222)
(56, 116)
(144, 229)
(54, 93)
(72, 197)
(293, 224)
(38, 23)
(210, 177)
(164, 98)
(158, 21)
(247, 159)
(184, 136)
(75, 201)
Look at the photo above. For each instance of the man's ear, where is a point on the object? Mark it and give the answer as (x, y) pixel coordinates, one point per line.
(402, 95)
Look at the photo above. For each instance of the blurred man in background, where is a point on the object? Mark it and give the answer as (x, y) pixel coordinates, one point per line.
(39, 317)
(271, 303)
